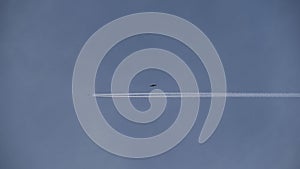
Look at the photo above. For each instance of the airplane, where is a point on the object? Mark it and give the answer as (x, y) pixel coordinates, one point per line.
(153, 85)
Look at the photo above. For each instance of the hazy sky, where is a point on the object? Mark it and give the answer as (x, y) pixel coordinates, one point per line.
(258, 43)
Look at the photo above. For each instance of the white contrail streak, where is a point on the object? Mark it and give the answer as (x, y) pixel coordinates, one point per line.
(201, 94)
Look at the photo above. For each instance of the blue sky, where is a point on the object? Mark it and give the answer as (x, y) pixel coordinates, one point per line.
(258, 43)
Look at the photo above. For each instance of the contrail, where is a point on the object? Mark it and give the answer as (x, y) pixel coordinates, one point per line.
(201, 94)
